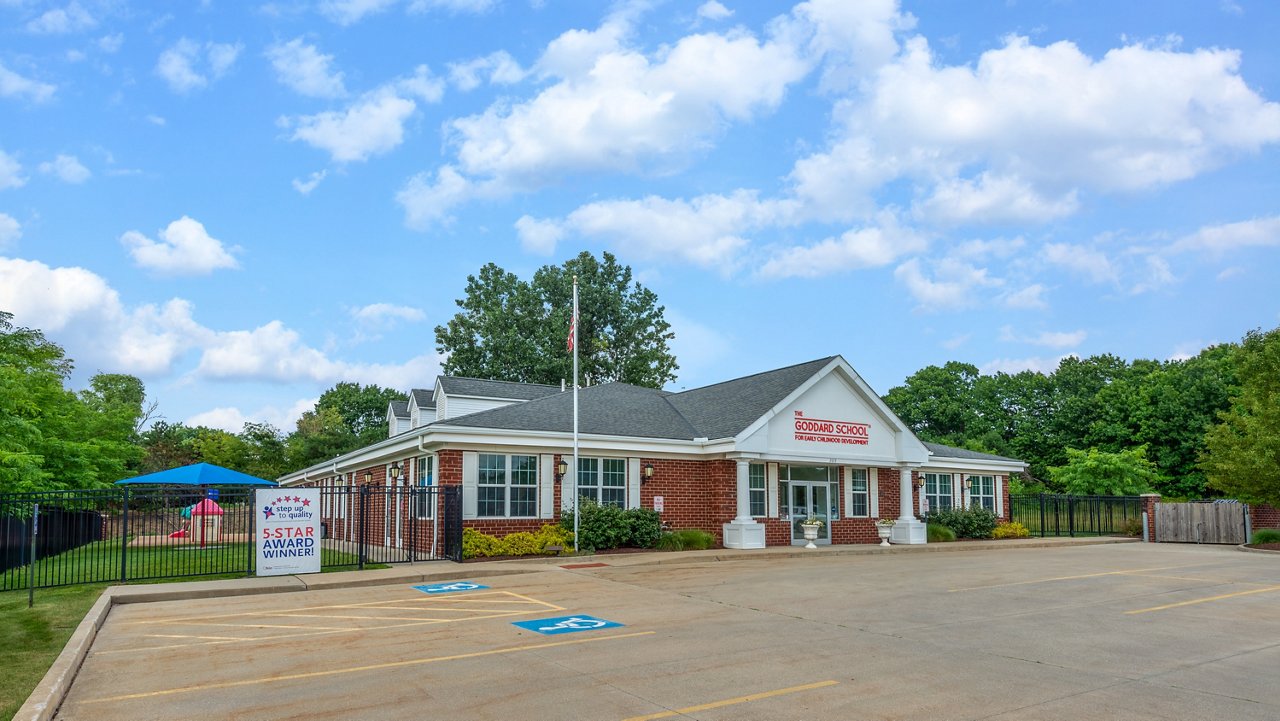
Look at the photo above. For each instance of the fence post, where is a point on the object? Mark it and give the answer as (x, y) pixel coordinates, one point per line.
(364, 514)
(251, 566)
(31, 569)
(124, 537)
(1071, 517)
(1042, 520)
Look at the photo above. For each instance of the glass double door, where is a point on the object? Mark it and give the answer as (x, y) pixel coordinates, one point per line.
(811, 500)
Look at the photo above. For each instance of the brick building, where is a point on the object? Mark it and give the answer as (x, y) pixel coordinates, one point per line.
(746, 459)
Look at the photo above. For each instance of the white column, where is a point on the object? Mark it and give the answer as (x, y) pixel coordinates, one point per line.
(906, 512)
(744, 493)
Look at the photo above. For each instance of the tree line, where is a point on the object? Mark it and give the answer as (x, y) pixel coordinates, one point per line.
(1192, 428)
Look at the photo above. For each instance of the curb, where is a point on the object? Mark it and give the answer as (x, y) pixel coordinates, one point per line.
(48, 695)
(1245, 547)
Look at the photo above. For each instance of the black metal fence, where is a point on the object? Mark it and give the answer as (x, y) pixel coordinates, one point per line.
(126, 534)
(1047, 514)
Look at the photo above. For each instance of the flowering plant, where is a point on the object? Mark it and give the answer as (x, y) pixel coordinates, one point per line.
(887, 522)
(812, 521)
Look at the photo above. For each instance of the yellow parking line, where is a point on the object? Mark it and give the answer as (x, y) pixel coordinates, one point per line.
(733, 701)
(370, 667)
(1062, 578)
(1205, 600)
(1204, 580)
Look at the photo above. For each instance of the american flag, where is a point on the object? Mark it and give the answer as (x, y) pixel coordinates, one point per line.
(573, 327)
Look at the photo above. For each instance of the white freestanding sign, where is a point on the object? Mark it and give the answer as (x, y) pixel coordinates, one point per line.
(288, 537)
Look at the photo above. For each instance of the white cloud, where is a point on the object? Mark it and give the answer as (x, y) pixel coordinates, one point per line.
(453, 6)
(156, 120)
(13, 85)
(111, 43)
(306, 70)
(59, 21)
(954, 285)
(1038, 364)
(856, 249)
(232, 419)
(1155, 273)
(184, 248)
(1090, 263)
(349, 12)
(956, 341)
(992, 199)
(538, 236)
(713, 10)
(10, 231)
(1049, 339)
(306, 186)
(10, 172)
(1228, 273)
(610, 108)
(1221, 239)
(700, 347)
(373, 124)
(383, 314)
(1031, 297)
(498, 68)
(187, 66)
(67, 168)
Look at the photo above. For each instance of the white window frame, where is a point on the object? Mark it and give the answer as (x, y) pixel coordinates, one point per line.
(757, 492)
(424, 501)
(507, 484)
(934, 494)
(595, 488)
(854, 493)
(976, 495)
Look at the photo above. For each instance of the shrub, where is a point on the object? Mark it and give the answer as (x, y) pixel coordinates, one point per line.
(1131, 527)
(479, 545)
(936, 533)
(1011, 530)
(520, 543)
(695, 539)
(1266, 535)
(669, 541)
(552, 535)
(603, 527)
(966, 522)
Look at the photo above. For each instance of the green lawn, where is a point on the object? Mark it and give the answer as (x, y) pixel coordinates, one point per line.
(31, 638)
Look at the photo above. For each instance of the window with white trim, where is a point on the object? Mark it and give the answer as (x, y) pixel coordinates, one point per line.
(860, 495)
(937, 490)
(423, 497)
(507, 486)
(755, 483)
(603, 480)
(982, 492)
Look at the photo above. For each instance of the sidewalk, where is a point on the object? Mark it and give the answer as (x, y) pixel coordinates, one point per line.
(47, 696)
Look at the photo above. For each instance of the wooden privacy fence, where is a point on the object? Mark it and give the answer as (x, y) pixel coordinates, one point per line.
(1201, 522)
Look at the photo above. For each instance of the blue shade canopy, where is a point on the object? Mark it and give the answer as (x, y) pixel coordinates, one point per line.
(198, 474)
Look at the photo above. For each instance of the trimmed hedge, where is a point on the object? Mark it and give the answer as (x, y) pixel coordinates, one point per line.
(1011, 530)
(966, 522)
(601, 528)
(481, 545)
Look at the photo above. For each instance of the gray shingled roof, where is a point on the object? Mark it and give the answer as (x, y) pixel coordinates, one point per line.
(719, 411)
(937, 449)
(481, 388)
(423, 398)
(725, 409)
(610, 409)
(400, 409)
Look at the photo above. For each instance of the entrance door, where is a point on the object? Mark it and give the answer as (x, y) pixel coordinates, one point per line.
(810, 500)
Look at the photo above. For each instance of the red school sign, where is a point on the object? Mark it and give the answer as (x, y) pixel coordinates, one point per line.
(819, 430)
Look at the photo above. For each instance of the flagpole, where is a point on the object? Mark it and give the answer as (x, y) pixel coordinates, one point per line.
(574, 331)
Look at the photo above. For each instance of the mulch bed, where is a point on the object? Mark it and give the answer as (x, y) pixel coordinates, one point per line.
(1265, 546)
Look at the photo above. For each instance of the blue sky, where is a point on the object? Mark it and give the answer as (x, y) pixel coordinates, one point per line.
(245, 203)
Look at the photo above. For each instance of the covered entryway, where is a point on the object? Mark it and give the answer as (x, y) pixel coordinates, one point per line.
(809, 492)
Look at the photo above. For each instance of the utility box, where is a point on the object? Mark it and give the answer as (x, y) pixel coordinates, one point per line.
(206, 523)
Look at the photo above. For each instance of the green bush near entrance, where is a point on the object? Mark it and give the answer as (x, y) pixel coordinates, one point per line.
(686, 539)
(966, 522)
(1266, 535)
(936, 533)
(601, 528)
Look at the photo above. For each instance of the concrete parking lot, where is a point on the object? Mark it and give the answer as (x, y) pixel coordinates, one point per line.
(1135, 631)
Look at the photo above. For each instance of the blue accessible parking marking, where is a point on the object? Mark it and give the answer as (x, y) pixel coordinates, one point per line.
(566, 624)
(450, 587)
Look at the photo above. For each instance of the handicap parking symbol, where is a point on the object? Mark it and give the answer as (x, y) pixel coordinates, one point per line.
(566, 624)
(450, 587)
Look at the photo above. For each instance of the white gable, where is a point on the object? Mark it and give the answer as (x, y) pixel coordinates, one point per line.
(834, 418)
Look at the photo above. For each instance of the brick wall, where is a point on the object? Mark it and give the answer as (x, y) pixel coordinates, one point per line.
(1264, 516)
